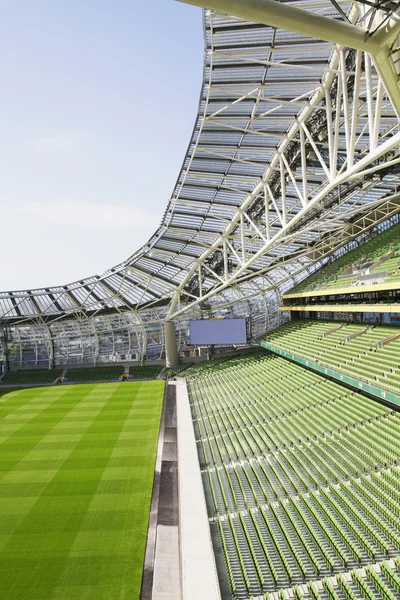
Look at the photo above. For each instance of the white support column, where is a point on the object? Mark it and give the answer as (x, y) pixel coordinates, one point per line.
(67, 346)
(225, 251)
(113, 344)
(50, 346)
(16, 330)
(303, 165)
(337, 125)
(4, 347)
(384, 67)
(141, 336)
(129, 339)
(377, 118)
(346, 107)
(354, 118)
(243, 241)
(96, 342)
(283, 191)
(171, 347)
(370, 101)
(266, 205)
(328, 108)
(200, 283)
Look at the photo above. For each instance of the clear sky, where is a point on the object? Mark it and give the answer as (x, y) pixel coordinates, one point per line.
(97, 106)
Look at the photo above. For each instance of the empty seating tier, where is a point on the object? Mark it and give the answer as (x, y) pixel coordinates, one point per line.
(354, 349)
(31, 376)
(204, 365)
(211, 365)
(178, 370)
(100, 373)
(144, 372)
(301, 479)
(375, 261)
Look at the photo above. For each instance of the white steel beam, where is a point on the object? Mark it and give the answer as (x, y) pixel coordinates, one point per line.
(284, 16)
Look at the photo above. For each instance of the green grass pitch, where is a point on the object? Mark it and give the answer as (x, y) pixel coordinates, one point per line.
(76, 477)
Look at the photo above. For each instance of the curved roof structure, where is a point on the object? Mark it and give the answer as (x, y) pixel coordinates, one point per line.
(291, 145)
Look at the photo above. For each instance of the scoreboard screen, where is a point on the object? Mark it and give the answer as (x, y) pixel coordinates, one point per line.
(205, 332)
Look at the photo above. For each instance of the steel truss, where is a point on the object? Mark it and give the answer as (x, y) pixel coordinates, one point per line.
(295, 151)
(347, 131)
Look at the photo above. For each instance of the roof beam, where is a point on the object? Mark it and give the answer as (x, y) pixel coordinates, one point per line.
(305, 22)
(284, 16)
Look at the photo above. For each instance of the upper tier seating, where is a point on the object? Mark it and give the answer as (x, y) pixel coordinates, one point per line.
(33, 376)
(359, 357)
(380, 257)
(302, 482)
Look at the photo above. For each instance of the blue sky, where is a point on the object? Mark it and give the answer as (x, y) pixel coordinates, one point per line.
(98, 103)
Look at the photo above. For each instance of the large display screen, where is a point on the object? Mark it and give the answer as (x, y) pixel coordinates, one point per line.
(206, 332)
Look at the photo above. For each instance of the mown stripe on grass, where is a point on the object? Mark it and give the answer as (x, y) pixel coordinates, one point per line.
(81, 532)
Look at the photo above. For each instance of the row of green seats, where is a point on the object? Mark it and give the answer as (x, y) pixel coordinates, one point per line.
(361, 357)
(350, 586)
(31, 376)
(173, 372)
(144, 372)
(99, 373)
(79, 374)
(338, 272)
(300, 472)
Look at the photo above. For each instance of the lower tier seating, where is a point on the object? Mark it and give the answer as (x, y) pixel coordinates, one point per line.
(106, 373)
(79, 374)
(31, 376)
(301, 480)
(144, 372)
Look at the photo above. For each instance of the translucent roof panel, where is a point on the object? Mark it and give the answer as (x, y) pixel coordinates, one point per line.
(257, 81)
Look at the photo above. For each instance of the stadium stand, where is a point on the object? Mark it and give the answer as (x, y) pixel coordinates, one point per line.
(106, 373)
(188, 369)
(362, 351)
(31, 376)
(293, 159)
(204, 366)
(301, 477)
(144, 372)
(79, 375)
(178, 370)
(209, 365)
(378, 261)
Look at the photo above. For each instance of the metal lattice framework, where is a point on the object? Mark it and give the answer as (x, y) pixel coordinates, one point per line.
(294, 152)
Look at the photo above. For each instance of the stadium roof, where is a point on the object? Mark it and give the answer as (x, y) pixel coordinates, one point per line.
(258, 188)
